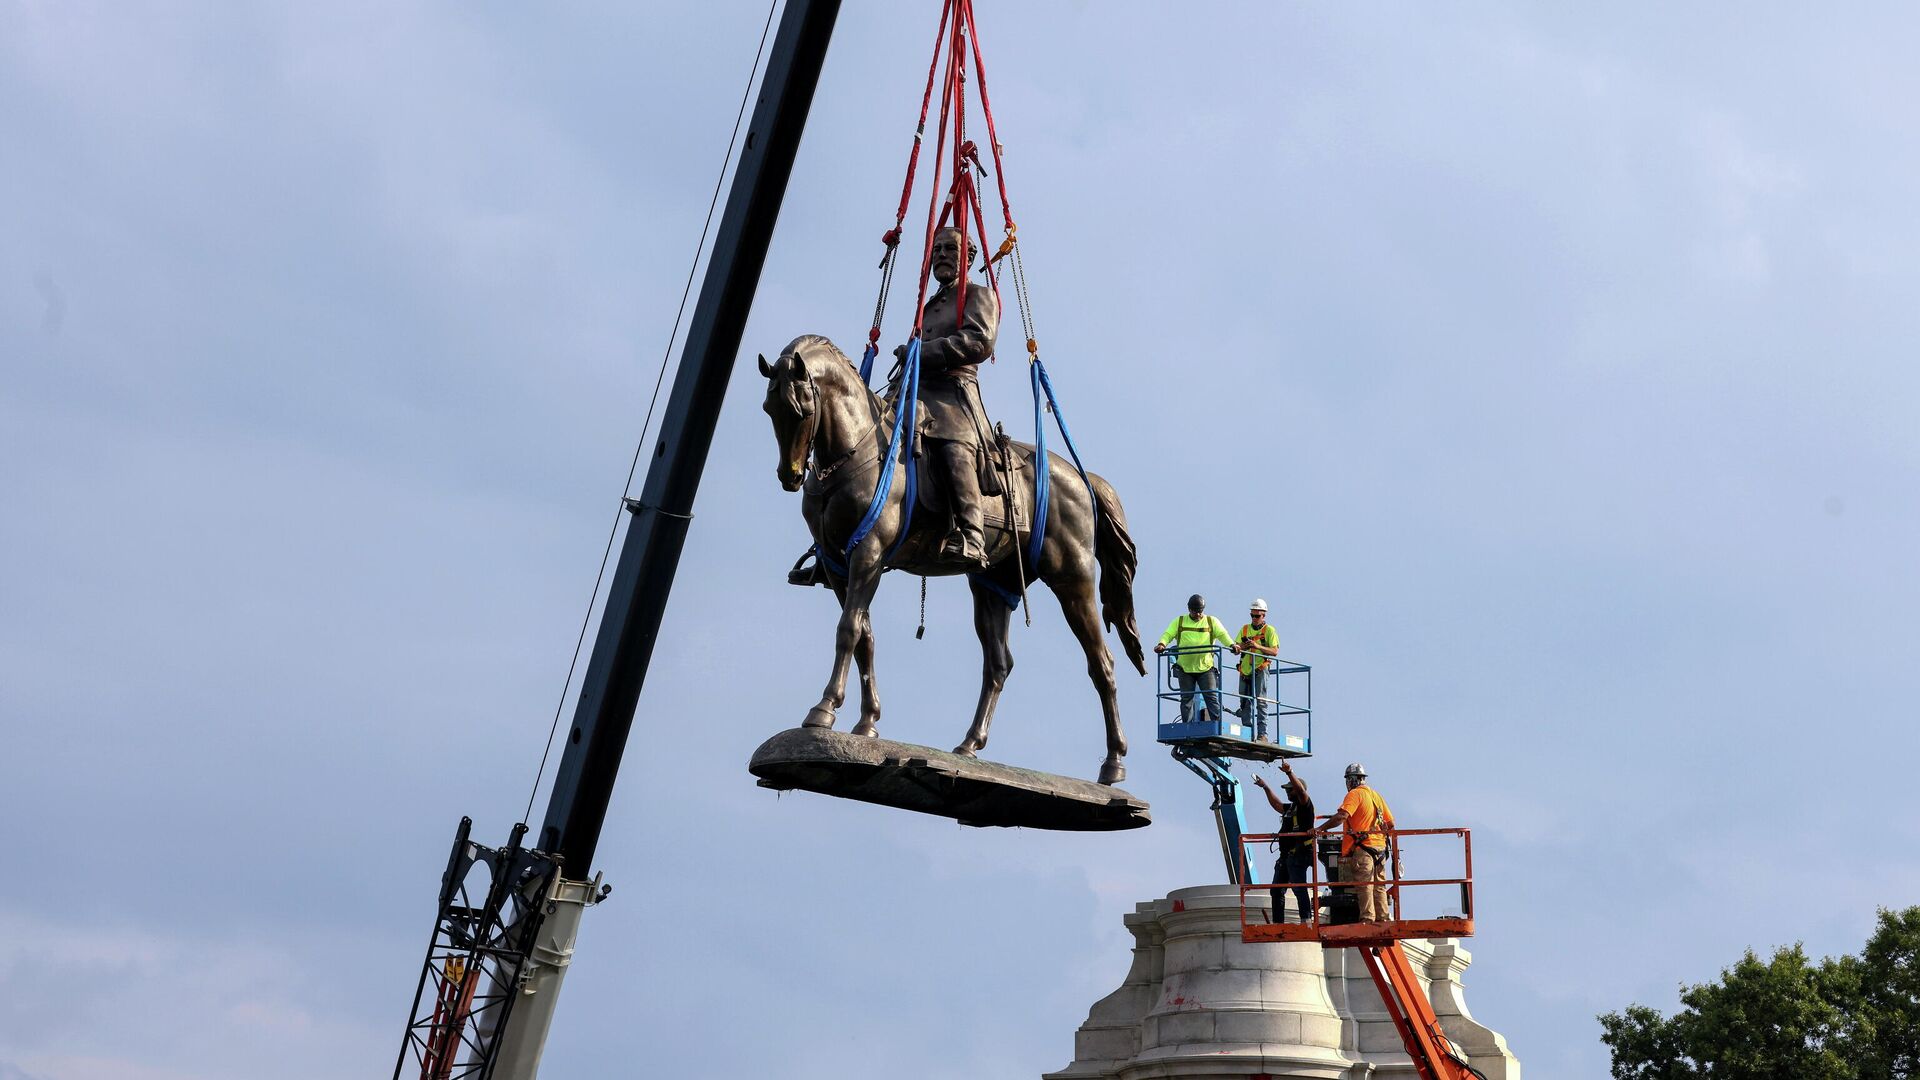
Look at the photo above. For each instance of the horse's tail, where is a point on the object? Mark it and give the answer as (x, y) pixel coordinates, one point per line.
(1118, 558)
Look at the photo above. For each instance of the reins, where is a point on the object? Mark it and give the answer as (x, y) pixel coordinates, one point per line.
(856, 445)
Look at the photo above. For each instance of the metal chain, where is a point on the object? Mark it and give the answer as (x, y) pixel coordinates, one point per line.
(886, 284)
(1020, 295)
(886, 287)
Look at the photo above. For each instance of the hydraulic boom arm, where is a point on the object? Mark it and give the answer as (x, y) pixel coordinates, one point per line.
(1434, 1055)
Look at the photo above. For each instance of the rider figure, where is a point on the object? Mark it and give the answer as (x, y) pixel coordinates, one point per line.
(953, 421)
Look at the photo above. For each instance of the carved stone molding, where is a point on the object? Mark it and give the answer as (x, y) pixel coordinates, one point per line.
(1197, 1003)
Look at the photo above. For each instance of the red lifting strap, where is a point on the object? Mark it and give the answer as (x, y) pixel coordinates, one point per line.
(960, 207)
(920, 129)
(986, 109)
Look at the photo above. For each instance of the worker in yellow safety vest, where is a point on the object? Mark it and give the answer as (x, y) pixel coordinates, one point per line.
(1193, 637)
(1363, 850)
(1259, 642)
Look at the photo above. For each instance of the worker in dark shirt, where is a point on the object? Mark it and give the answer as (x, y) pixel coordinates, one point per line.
(1294, 865)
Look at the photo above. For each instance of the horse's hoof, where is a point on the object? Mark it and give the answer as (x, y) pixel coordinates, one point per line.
(818, 716)
(1112, 772)
(866, 728)
(966, 749)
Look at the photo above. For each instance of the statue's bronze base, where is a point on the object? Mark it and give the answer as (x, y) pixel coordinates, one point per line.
(929, 781)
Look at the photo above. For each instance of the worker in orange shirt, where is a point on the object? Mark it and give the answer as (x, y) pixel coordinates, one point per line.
(1363, 850)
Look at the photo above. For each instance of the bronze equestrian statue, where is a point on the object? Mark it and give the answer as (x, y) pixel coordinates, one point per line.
(833, 433)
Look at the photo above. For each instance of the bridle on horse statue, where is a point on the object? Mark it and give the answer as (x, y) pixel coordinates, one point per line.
(807, 408)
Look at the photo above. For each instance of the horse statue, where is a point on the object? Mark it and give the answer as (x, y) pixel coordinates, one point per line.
(823, 412)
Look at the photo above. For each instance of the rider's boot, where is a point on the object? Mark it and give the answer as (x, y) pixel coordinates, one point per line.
(960, 471)
(964, 550)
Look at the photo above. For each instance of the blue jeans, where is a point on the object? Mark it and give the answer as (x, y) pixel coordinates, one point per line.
(1253, 688)
(1294, 868)
(1207, 683)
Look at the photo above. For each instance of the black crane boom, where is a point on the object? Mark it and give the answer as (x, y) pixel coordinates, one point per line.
(651, 553)
(508, 917)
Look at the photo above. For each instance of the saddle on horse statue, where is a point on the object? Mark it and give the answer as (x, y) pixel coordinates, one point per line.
(1001, 500)
(1003, 503)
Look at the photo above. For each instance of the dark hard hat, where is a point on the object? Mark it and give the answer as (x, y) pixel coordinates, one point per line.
(1196, 603)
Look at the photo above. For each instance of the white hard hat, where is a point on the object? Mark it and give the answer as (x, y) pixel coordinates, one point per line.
(1356, 769)
(1258, 604)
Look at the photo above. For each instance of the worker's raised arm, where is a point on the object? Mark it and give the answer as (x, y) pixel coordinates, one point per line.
(1272, 799)
(1295, 781)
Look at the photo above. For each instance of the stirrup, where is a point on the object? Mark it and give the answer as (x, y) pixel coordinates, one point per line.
(803, 574)
(956, 551)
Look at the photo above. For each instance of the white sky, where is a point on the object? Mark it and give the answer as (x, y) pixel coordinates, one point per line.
(1550, 372)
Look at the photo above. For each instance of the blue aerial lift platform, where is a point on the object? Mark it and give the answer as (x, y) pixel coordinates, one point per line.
(1185, 722)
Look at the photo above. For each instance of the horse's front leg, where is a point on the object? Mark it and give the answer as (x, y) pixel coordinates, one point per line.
(863, 579)
(863, 659)
(869, 693)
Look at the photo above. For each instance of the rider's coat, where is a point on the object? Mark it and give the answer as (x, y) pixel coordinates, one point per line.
(951, 349)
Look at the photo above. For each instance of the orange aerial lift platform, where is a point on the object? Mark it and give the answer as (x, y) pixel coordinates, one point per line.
(1329, 918)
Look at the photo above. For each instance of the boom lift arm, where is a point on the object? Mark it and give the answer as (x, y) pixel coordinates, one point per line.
(1434, 1055)
(1229, 812)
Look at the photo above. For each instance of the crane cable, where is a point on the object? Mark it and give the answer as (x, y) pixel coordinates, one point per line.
(659, 378)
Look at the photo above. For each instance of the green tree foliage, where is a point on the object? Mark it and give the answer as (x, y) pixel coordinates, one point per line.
(1885, 1039)
(1844, 1018)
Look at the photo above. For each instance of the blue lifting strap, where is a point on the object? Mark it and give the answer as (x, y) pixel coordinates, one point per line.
(1007, 596)
(905, 415)
(1043, 389)
(829, 561)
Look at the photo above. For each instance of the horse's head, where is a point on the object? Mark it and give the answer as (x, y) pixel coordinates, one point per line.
(793, 404)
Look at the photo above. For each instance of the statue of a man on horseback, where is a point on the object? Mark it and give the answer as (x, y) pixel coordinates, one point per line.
(833, 435)
(956, 336)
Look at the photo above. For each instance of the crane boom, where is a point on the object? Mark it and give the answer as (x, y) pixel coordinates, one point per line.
(495, 964)
(650, 555)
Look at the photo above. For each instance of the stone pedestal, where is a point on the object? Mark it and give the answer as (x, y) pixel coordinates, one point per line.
(1200, 1004)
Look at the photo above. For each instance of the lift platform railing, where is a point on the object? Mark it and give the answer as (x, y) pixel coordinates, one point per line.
(1282, 693)
(1332, 915)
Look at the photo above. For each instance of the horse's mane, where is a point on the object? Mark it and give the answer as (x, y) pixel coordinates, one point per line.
(810, 342)
(809, 345)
